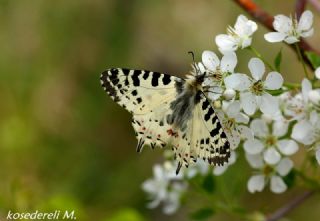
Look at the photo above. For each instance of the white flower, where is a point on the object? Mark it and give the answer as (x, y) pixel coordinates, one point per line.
(166, 187)
(301, 105)
(234, 123)
(253, 91)
(270, 143)
(289, 29)
(238, 37)
(216, 72)
(266, 173)
(307, 132)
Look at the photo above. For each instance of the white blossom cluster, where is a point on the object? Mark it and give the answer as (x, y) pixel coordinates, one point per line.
(261, 115)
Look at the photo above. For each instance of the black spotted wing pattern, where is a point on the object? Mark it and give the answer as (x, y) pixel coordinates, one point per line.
(148, 95)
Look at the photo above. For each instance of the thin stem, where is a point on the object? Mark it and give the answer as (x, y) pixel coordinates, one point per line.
(301, 60)
(255, 51)
(291, 85)
(290, 206)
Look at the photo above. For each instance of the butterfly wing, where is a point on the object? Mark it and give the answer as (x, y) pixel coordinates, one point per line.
(147, 95)
(138, 91)
(204, 138)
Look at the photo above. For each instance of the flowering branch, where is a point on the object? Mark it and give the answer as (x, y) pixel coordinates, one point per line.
(290, 206)
(266, 19)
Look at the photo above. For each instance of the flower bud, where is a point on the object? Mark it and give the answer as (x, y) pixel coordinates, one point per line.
(229, 94)
(217, 104)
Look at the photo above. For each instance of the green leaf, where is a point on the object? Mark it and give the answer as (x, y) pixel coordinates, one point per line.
(290, 179)
(202, 214)
(277, 60)
(208, 183)
(313, 58)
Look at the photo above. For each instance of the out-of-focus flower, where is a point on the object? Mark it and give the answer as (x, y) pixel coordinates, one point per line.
(216, 71)
(239, 36)
(165, 187)
(290, 29)
(268, 173)
(200, 167)
(253, 91)
(270, 142)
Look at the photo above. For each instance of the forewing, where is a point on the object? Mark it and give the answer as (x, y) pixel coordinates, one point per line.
(138, 91)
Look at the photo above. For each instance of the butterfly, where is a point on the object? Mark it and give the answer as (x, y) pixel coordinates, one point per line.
(170, 111)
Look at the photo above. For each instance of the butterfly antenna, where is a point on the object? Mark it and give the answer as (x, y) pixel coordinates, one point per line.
(196, 67)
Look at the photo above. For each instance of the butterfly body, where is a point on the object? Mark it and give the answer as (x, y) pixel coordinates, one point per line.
(170, 111)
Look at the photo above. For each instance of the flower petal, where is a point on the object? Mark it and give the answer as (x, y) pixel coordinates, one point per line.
(256, 183)
(244, 26)
(284, 166)
(226, 43)
(277, 185)
(242, 118)
(280, 128)
(257, 68)
(259, 128)
(238, 82)
(219, 170)
(282, 23)
(302, 132)
(210, 60)
(274, 37)
(229, 94)
(306, 87)
(317, 73)
(273, 81)
(228, 62)
(248, 102)
(253, 146)
(306, 34)
(305, 22)
(245, 132)
(255, 160)
(269, 104)
(287, 147)
(271, 156)
(318, 155)
(233, 109)
(291, 39)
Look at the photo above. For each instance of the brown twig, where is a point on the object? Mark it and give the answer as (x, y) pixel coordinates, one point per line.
(266, 19)
(290, 206)
(300, 6)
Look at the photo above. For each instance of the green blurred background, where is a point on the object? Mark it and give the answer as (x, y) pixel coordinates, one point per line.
(64, 144)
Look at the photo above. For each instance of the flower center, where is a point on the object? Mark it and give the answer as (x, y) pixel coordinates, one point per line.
(293, 30)
(267, 170)
(257, 88)
(217, 76)
(271, 140)
(230, 124)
